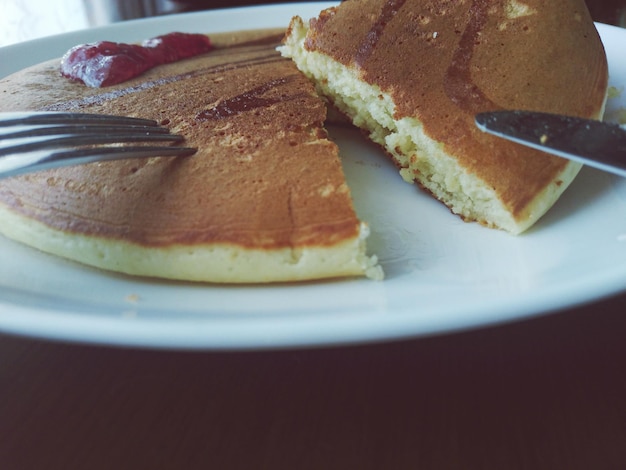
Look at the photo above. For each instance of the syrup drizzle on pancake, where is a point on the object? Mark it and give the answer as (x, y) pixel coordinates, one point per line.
(248, 101)
(390, 9)
(458, 83)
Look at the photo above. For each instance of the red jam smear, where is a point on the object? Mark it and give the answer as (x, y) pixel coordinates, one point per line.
(106, 63)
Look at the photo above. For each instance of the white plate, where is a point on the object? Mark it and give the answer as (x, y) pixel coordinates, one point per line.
(442, 274)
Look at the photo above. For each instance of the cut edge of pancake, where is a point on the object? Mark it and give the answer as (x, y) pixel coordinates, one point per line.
(197, 263)
(430, 166)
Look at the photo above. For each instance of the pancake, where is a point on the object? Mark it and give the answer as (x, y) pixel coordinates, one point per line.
(413, 74)
(263, 200)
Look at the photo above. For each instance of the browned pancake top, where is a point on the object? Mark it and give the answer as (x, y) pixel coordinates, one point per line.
(443, 62)
(264, 176)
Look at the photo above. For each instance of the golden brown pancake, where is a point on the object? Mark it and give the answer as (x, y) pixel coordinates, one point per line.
(413, 74)
(264, 198)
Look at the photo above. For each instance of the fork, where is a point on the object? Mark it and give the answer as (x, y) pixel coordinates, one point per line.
(34, 141)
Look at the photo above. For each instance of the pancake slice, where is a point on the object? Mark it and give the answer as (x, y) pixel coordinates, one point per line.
(263, 200)
(413, 74)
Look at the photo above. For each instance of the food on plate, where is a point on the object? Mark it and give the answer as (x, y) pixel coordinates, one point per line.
(264, 198)
(413, 74)
(105, 63)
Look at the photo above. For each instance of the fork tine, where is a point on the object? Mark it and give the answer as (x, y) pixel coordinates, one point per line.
(88, 139)
(42, 118)
(81, 129)
(49, 140)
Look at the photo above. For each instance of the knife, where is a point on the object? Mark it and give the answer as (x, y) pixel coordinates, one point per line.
(598, 144)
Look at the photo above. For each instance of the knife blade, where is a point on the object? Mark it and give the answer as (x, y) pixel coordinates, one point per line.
(597, 144)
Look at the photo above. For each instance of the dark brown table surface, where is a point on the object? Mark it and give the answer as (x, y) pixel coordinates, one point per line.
(544, 393)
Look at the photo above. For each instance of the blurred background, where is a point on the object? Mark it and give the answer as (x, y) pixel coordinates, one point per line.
(22, 20)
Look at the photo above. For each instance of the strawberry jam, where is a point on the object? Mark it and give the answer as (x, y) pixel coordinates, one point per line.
(107, 63)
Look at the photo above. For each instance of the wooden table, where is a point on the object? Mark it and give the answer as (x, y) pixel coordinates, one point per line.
(545, 393)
